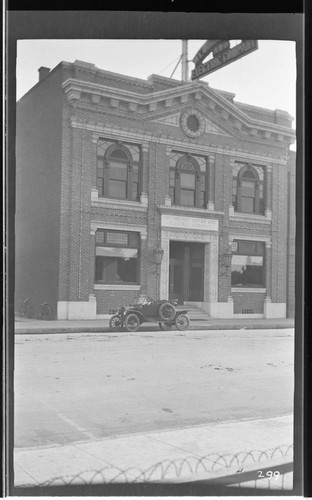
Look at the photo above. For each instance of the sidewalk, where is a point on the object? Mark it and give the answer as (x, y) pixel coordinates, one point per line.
(33, 326)
(203, 452)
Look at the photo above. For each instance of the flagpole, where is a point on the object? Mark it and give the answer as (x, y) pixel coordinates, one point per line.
(184, 61)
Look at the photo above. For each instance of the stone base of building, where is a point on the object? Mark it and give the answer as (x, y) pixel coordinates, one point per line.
(219, 309)
(274, 310)
(71, 310)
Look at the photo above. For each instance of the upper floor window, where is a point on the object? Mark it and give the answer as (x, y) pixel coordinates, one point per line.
(118, 170)
(248, 196)
(188, 180)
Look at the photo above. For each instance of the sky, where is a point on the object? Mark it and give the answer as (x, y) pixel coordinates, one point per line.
(265, 78)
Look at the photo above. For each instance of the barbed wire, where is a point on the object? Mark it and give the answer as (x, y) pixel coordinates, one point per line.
(189, 467)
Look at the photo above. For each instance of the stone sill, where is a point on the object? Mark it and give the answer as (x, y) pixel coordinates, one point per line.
(263, 219)
(178, 208)
(248, 290)
(117, 287)
(109, 203)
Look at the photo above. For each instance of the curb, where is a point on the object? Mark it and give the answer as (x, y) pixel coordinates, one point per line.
(97, 329)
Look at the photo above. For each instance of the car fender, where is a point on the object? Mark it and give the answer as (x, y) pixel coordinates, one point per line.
(180, 312)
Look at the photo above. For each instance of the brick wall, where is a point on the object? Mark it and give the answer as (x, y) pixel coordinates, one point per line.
(38, 189)
(291, 254)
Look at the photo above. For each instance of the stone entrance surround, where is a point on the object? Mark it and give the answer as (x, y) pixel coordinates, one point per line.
(196, 230)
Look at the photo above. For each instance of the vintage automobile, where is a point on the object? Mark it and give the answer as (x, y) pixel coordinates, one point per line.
(163, 312)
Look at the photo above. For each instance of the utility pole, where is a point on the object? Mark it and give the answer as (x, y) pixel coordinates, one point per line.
(184, 61)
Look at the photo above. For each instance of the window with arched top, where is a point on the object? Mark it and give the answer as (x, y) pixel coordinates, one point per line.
(188, 180)
(118, 171)
(248, 195)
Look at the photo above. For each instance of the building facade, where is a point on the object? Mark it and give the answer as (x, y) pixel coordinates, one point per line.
(130, 188)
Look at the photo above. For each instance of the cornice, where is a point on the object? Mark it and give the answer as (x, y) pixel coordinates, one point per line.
(135, 134)
(194, 91)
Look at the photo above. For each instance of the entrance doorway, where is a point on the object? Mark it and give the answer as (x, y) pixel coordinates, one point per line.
(186, 271)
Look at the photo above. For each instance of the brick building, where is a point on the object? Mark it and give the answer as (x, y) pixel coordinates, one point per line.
(131, 188)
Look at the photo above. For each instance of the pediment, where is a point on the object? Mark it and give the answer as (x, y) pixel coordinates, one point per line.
(174, 120)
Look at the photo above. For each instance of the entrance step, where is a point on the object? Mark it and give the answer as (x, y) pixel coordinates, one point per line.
(195, 312)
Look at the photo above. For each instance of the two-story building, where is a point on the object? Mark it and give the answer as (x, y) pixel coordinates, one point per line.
(130, 188)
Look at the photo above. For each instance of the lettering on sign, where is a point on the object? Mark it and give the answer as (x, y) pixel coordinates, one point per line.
(204, 51)
(222, 56)
(189, 222)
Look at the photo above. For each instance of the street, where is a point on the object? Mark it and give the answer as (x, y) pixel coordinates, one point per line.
(84, 387)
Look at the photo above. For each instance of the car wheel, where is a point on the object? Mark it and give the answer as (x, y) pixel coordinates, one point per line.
(115, 323)
(167, 311)
(165, 326)
(182, 322)
(132, 322)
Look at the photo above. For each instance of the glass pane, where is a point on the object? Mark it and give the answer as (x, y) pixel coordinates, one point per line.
(187, 197)
(247, 270)
(247, 247)
(118, 189)
(99, 185)
(116, 270)
(126, 253)
(119, 238)
(186, 164)
(249, 174)
(172, 178)
(135, 173)
(248, 188)
(135, 191)
(187, 181)
(100, 172)
(134, 239)
(202, 198)
(118, 171)
(119, 153)
(247, 205)
(99, 237)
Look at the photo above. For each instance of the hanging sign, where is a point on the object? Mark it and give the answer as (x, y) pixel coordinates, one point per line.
(222, 55)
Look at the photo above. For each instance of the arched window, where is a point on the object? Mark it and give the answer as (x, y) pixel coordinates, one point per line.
(248, 189)
(118, 172)
(188, 180)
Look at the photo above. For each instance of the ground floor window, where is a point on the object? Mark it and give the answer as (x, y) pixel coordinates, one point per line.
(247, 264)
(116, 257)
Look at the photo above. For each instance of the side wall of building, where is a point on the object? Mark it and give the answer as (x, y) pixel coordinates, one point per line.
(38, 187)
(291, 244)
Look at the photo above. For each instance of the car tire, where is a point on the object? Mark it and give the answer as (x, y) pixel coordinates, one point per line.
(182, 322)
(132, 322)
(116, 323)
(167, 311)
(164, 326)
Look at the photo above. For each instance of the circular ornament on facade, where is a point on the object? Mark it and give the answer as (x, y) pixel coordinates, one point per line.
(192, 123)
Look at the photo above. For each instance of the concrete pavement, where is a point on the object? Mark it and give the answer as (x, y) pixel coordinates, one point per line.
(208, 452)
(33, 326)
